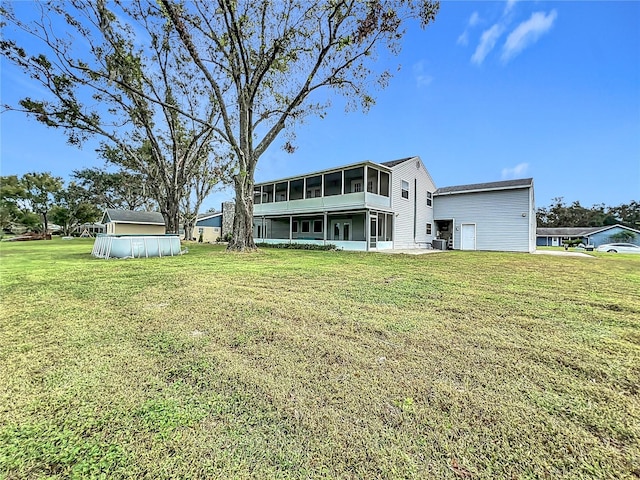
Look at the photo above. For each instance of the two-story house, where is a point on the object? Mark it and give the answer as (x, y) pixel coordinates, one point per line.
(371, 206)
(364, 206)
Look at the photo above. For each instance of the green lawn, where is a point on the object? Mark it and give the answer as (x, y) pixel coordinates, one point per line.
(301, 364)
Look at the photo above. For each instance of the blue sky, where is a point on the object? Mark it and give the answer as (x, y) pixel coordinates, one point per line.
(490, 91)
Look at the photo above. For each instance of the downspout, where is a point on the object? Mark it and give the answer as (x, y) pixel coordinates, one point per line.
(415, 209)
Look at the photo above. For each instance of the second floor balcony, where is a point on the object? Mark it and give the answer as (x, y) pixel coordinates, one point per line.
(360, 186)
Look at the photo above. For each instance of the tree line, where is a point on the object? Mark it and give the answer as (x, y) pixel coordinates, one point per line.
(561, 214)
(34, 200)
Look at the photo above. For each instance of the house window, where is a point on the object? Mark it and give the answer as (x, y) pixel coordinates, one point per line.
(305, 226)
(428, 229)
(405, 189)
(357, 187)
(429, 199)
(317, 226)
(294, 226)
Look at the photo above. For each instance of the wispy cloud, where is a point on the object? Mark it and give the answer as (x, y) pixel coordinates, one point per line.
(515, 172)
(509, 6)
(487, 42)
(474, 19)
(423, 79)
(527, 33)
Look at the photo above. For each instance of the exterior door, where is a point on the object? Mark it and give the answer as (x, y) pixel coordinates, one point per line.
(373, 231)
(468, 236)
(341, 230)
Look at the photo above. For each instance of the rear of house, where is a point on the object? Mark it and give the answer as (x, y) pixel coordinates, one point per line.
(497, 216)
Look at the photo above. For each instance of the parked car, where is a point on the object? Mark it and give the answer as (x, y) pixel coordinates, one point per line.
(619, 248)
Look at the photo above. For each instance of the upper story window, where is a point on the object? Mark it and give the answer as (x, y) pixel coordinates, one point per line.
(429, 199)
(357, 186)
(405, 189)
(281, 192)
(314, 187)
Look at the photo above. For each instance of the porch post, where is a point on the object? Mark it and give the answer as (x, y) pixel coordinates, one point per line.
(367, 224)
(326, 227)
(364, 187)
(290, 228)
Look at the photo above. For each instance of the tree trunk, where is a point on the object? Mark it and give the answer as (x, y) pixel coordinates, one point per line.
(172, 217)
(242, 239)
(46, 226)
(188, 230)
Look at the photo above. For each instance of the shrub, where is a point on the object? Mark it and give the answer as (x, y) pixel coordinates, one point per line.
(297, 246)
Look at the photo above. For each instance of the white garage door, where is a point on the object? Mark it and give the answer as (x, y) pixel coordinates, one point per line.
(468, 237)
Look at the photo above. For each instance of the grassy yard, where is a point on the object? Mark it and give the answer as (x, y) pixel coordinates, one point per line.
(292, 364)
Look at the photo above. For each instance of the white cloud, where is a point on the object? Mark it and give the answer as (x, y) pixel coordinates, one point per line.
(422, 78)
(527, 33)
(509, 6)
(515, 172)
(487, 42)
(463, 39)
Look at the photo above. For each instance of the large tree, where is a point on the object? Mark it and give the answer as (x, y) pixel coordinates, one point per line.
(117, 71)
(265, 62)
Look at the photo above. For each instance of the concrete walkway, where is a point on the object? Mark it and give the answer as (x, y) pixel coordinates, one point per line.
(421, 251)
(562, 253)
(412, 251)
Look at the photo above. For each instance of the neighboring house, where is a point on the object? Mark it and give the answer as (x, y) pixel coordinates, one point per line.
(390, 205)
(596, 236)
(89, 229)
(209, 225)
(487, 216)
(128, 222)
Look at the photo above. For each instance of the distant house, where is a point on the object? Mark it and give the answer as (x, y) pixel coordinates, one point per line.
(394, 205)
(128, 222)
(209, 225)
(596, 236)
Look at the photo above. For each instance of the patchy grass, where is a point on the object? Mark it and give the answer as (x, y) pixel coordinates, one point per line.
(292, 364)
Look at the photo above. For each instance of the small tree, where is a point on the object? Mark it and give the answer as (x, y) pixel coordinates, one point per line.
(119, 190)
(12, 194)
(73, 209)
(41, 189)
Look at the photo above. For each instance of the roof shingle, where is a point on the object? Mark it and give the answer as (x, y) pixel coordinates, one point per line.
(479, 187)
(131, 216)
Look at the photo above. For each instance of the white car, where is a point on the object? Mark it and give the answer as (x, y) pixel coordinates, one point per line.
(619, 248)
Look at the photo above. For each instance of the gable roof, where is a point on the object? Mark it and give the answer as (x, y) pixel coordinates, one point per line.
(130, 216)
(565, 231)
(576, 231)
(393, 163)
(484, 187)
(205, 216)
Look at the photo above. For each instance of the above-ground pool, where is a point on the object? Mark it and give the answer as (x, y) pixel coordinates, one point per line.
(136, 246)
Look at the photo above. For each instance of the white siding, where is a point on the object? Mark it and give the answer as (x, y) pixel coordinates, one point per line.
(503, 218)
(404, 208)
